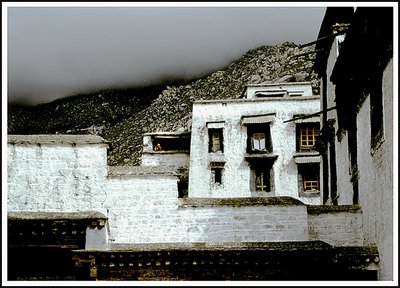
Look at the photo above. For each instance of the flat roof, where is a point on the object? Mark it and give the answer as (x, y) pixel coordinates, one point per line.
(142, 170)
(29, 215)
(272, 99)
(55, 139)
(167, 133)
(279, 84)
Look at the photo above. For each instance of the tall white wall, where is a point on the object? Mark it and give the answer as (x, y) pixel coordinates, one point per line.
(142, 203)
(376, 176)
(344, 185)
(236, 175)
(56, 177)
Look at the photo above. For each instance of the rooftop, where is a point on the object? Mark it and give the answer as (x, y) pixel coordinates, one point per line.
(55, 139)
(141, 170)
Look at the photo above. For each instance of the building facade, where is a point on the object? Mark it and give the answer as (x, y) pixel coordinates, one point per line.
(259, 146)
(356, 69)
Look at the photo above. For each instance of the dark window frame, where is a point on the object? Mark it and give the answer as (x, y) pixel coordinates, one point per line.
(259, 128)
(310, 171)
(316, 132)
(266, 169)
(211, 133)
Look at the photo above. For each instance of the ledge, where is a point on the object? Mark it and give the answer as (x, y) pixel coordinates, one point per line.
(322, 209)
(228, 246)
(271, 99)
(240, 202)
(167, 152)
(174, 134)
(55, 215)
(55, 139)
(142, 171)
(261, 156)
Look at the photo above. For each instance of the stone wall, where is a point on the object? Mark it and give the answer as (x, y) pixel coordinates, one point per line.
(376, 176)
(337, 225)
(63, 175)
(142, 203)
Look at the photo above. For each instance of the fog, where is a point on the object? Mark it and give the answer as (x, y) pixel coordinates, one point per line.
(54, 52)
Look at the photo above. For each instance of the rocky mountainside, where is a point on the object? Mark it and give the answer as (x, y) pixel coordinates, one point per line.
(123, 123)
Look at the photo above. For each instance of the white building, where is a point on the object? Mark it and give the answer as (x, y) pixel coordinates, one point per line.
(262, 145)
(355, 64)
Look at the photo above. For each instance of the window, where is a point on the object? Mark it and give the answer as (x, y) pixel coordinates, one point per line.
(308, 179)
(261, 176)
(215, 140)
(216, 173)
(262, 182)
(258, 138)
(306, 136)
(258, 142)
(162, 143)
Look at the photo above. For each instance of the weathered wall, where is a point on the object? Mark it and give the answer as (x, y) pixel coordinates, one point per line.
(336, 225)
(56, 177)
(236, 174)
(344, 186)
(142, 203)
(376, 177)
(165, 159)
(289, 87)
(245, 224)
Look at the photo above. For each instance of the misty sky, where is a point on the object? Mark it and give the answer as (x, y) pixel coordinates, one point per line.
(59, 51)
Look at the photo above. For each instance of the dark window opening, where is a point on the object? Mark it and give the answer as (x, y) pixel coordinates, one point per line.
(308, 179)
(306, 136)
(259, 138)
(217, 172)
(216, 142)
(216, 175)
(183, 189)
(262, 176)
(171, 143)
(262, 181)
(260, 94)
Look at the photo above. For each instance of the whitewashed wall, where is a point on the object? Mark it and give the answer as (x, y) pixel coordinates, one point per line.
(376, 176)
(236, 175)
(56, 177)
(294, 87)
(344, 185)
(141, 203)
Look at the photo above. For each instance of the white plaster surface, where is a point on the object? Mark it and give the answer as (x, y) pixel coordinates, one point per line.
(141, 207)
(236, 174)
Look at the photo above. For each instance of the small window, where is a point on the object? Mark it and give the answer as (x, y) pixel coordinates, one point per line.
(261, 179)
(216, 173)
(258, 142)
(308, 179)
(306, 136)
(258, 138)
(215, 140)
(171, 143)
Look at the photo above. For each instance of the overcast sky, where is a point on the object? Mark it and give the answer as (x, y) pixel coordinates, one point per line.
(58, 51)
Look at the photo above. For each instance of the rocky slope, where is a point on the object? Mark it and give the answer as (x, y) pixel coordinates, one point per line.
(122, 118)
(171, 111)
